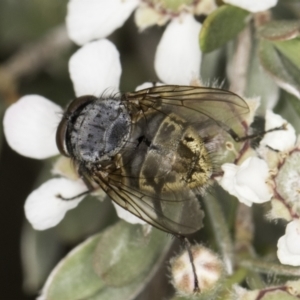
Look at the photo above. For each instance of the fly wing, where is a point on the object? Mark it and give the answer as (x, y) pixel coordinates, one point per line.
(178, 213)
(156, 190)
(223, 107)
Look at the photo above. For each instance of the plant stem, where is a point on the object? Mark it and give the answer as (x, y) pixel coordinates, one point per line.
(262, 266)
(238, 68)
(221, 231)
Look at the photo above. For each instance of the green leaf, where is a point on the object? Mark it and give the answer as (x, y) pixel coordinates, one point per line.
(40, 250)
(288, 108)
(127, 292)
(212, 65)
(221, 26)
(279, 53)
(74, 277)
(174, 5)
(291, 50)
(295, 103)
(124, 253)
(281, 30)
(260, 84)
(283, 71)
(88, 218)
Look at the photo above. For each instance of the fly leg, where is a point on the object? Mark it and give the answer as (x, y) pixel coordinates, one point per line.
(187, 246)
(82, 173)
(253, 136)
(74, 197)
(259, 135)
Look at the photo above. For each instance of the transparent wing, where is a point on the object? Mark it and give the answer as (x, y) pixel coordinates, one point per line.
(178, 213)
(225, 108)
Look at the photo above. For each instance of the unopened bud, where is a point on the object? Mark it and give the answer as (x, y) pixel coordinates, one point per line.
(208, 267)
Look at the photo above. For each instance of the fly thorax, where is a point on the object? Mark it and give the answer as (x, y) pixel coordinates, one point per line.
(100, 130)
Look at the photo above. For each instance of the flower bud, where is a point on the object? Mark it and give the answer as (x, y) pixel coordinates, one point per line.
(288, 181)
(289, 245)
(208, 267)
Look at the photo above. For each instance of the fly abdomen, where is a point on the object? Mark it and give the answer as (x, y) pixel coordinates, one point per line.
(171, 157)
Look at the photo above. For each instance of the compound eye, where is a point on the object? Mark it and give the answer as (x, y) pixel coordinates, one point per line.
(78, 103)
(75, 106)
(61, 137)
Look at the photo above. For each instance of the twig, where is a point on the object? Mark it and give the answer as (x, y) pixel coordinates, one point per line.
(30, 59)
(239, 65)
(244, 229)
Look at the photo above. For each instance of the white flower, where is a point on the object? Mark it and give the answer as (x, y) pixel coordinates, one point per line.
(252, 5)
(247, 182)
(178, 55)
(280, 140)
(88, 20)
(21, 129)
(44, 209)
(289, 245)
(30, 128)
(94, 68)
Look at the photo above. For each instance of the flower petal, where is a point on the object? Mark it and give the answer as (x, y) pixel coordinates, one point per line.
(289, 245)
(281, 140)
(93, 19)
(147, 85)
(248, 182)
(30, 126)
(252, 5)
(247, 177)
(227, 181)
(94, 68)
(178, 56)
(44, 209)
(127, 216)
